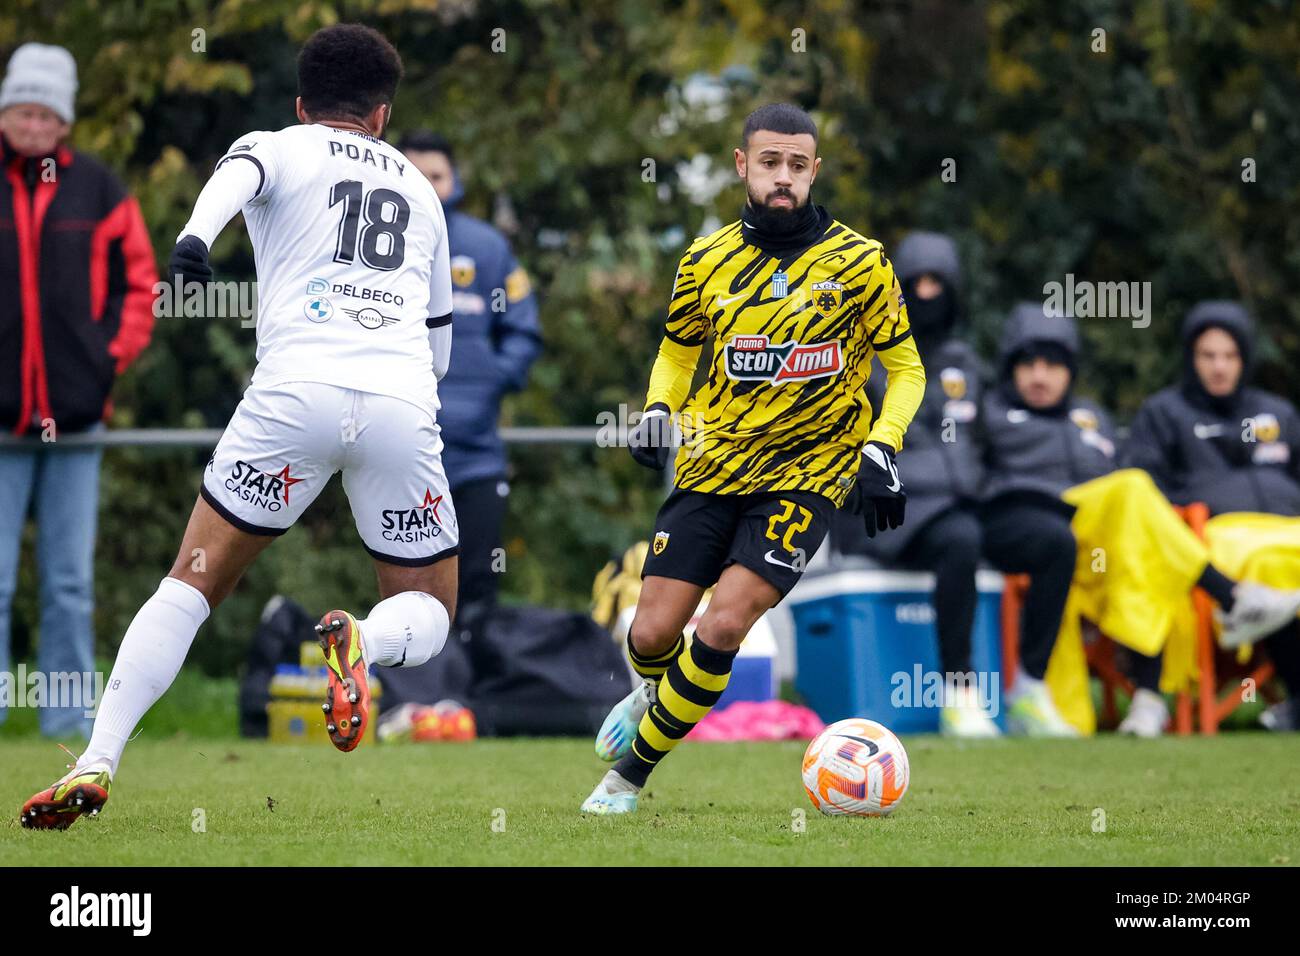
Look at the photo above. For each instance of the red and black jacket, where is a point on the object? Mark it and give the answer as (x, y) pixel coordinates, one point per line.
(76, 289)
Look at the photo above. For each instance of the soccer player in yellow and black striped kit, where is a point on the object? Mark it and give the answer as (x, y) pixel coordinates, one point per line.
(795, 305)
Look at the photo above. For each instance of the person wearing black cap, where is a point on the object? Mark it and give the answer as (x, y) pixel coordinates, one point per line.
(942, 461)
(1041, 440)
(1215, 439)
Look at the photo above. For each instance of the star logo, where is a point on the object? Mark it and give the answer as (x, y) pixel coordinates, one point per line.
(288, 482)
(431, 502)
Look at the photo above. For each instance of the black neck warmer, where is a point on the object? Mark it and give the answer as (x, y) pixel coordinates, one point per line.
(931, 320)
(779, 232)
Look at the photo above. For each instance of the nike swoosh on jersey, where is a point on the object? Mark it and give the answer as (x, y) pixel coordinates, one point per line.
(722, 303)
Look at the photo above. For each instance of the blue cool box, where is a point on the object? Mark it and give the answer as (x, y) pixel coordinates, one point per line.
(752, 678)
(855, 630)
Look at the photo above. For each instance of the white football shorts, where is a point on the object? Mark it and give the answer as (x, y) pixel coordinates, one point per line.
(285, 441)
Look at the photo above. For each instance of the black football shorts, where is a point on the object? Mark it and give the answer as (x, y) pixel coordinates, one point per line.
(774, 534)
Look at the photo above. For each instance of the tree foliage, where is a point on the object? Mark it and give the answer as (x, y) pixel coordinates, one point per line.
(585, 128)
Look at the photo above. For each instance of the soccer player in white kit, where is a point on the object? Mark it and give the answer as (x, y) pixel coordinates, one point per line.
(353, 330)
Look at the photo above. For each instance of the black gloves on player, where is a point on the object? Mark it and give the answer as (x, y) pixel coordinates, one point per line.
(652, 439)
(878, 493)
(190, 261)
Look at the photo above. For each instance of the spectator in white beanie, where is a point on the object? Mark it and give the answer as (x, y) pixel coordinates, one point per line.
(37, 98)
(76, 276)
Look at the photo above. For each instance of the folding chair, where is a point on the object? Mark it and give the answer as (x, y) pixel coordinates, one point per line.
(1210, 708)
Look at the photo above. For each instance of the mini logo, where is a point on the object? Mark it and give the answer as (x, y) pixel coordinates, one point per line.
(463, 270)
(953, 381)
(755, 358)
(780, 285)
(660, 542)
(369, 318)
(317, 286)
(319, 309)
(827, 297)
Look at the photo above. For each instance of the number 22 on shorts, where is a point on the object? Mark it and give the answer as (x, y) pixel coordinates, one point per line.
(785, 516)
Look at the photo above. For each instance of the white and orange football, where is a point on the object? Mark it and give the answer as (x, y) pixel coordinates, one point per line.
(855, 767)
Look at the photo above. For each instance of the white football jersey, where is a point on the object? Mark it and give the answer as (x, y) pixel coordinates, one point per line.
(352, 263)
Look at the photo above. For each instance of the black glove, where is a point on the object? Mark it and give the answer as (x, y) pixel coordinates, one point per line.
(878, 493)
(190, 261)
(652, 439)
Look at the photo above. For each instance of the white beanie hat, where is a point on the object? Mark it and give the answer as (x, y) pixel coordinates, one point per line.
(41, 74)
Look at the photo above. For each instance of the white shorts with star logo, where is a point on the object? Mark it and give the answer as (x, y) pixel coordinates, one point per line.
(285, 441)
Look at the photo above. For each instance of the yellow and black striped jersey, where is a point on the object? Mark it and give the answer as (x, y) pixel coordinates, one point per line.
(784, 407)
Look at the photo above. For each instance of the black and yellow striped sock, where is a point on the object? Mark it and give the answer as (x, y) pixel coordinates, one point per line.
(691, 686)
(653, 666)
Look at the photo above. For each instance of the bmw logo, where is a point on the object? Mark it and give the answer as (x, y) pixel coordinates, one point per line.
(319, 309)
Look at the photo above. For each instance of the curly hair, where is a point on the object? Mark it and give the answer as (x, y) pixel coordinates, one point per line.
(346, 70)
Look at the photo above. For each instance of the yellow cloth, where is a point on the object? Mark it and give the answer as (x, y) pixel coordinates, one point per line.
(1137, 564)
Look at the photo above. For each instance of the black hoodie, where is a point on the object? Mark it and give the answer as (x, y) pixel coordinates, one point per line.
(1040, 453)
(940, 464)
(1239, 452)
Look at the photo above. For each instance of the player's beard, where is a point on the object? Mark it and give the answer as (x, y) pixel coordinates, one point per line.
(777, 220)
(781, 230)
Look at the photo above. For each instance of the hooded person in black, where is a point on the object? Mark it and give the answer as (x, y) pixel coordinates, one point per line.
(1212, 437)
(1041, 439)
(1215, 439)
(942, 462)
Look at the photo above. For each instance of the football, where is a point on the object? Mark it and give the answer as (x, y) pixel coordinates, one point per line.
(855, 767)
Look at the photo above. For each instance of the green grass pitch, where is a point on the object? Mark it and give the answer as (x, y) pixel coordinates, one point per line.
(1234, 799)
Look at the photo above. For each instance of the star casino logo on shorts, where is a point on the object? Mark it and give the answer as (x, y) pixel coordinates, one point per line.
(753, 358)
(420, 523)
(268, 490)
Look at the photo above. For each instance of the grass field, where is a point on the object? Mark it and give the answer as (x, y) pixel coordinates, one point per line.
(1234, 799)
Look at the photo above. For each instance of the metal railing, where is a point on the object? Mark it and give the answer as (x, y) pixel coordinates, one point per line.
(208, 437)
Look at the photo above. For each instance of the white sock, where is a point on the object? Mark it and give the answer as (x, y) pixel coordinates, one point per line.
(148, 661)
(405, 630)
